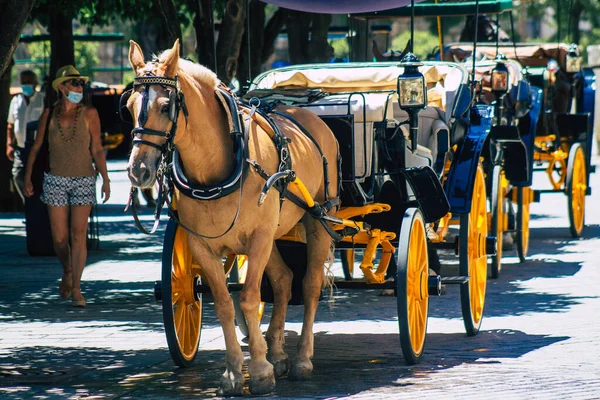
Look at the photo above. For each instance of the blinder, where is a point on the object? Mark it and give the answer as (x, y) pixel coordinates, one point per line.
(173, 105)
(176, 103)
(123, 104)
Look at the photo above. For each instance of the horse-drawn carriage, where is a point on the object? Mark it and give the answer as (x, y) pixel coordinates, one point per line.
(561, 142)
(499, 84)
(375, 156)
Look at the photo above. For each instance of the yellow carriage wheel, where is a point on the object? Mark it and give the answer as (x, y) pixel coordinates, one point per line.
(576, 187)
(241, 262)
(473, 259)
(347, 258)
(182, 309)
(523, 201)
(498, 217)
(412, 285)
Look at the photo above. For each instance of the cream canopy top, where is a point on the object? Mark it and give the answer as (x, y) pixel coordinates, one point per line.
(357, 77)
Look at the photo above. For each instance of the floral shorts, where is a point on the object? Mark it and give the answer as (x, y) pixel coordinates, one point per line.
(68, 191)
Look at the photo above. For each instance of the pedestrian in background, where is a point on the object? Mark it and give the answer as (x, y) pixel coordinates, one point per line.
(25, 108)
(72, 133)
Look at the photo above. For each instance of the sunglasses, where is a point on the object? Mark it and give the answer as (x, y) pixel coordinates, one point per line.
(76, 83)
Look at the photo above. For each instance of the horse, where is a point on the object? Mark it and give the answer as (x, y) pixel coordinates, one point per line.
(391, 55)
(486, 30)
(206, 153)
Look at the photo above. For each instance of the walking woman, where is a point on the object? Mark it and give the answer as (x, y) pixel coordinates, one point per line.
(73, 137)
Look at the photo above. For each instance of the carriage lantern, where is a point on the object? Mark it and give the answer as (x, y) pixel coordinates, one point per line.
(412, 94)
(573, 60)
(500, 76)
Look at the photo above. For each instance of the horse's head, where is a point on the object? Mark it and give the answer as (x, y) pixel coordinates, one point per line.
(154, 105)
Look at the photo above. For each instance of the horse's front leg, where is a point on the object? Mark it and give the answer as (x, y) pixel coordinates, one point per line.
(232, 381)
(318, 244)
(280, 277)
(262, 377)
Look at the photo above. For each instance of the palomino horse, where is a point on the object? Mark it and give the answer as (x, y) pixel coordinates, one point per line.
(206, 151)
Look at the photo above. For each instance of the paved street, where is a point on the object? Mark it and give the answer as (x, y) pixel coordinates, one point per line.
(540, 336)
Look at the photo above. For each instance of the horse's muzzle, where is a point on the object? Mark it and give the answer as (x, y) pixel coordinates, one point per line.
(141, 175)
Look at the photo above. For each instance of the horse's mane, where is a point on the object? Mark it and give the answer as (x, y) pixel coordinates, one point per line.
(203, 75)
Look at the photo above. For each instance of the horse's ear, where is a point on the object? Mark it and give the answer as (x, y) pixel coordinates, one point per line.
(172, 60)
(136, 56)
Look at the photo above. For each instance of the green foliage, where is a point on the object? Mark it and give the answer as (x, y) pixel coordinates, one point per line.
(341, 48)
(92, 12)
(86, 56)
(424, 46)
(588, 39)
(590, 12)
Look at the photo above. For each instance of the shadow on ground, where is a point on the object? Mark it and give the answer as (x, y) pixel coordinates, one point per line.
(343, 365)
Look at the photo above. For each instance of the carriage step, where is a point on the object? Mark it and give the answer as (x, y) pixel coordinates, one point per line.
(454, 280)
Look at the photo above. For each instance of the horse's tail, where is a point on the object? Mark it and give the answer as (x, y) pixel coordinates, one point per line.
(329, 277)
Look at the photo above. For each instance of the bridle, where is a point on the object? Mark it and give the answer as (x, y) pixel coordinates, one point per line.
(176, 104)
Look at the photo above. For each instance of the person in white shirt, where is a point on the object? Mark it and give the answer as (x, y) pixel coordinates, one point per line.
(24, 109)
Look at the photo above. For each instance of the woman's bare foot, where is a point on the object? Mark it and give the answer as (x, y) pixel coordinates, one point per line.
(77, 299)
(66, 283)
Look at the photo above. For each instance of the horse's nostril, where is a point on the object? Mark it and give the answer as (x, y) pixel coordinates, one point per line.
(145, 175)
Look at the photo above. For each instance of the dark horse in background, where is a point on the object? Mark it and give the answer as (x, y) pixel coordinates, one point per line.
(486, 30)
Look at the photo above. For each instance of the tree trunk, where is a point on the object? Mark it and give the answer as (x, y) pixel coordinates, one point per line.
(576, 11)
(205, 33)
(271, 32)
(13, 15)
(230, 38)
(170, 29)
(256, 13)
(61, 47)
(359, 42)
(303, 25)
(9, 200)
(319, 49)
(298, 28)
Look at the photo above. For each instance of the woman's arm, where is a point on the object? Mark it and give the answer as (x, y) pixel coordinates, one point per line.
(39, 139)
(98, 151)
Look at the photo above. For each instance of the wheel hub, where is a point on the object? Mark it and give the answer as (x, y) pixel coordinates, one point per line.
(188, 287)
(424, 286)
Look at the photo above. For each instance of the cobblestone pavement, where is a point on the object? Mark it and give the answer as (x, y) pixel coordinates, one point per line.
(540, 336)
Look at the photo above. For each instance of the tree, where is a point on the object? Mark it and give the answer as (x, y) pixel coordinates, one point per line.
(307, 37)
(262, 40)
(230, 38)
(13, 15)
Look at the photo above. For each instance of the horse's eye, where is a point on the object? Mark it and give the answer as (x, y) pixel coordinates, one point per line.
(164, 109)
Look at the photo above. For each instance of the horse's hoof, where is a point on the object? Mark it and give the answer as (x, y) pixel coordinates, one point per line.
(281, 365)
(301, 371)
(231, 385)
(262, 384)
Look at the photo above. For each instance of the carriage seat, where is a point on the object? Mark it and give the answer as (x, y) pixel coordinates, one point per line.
(368, 112)
(434, 134)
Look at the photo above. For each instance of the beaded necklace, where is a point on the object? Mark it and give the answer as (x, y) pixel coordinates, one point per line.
(62, 135)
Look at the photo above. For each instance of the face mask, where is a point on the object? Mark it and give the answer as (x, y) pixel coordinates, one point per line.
(75, 97)
(28, 90)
